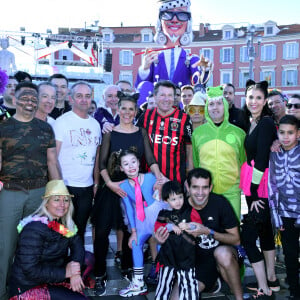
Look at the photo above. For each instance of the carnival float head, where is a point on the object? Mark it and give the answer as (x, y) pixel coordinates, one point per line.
(174, 25)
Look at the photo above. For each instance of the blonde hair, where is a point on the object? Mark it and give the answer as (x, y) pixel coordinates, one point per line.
(67, 220)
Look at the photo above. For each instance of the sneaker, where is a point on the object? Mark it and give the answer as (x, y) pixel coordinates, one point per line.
(152, 277)
(260, 295)
(134, 289)
(274, 285)
(118, 257)
(100, 285)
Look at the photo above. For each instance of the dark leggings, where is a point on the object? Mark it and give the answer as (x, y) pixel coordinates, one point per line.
(290, 245)
(62, 293)
(251, 231)
(101, 245)
(82, 201)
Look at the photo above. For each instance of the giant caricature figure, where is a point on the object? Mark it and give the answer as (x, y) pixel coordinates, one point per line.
(174, 29)
(7, 58)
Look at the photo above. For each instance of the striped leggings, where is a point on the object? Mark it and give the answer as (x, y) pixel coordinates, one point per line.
(187, 284)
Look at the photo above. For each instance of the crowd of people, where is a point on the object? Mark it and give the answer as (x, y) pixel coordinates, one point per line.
(200, 157)
(168, 173)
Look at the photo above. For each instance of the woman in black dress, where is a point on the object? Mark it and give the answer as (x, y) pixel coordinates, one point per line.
(107, 212)
(254, 178)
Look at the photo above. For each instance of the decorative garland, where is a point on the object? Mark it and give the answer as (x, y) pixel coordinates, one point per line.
(54, 225)
(60, 228)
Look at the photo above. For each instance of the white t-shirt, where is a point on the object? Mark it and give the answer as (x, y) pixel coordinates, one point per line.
(50, 121)
(80, 139)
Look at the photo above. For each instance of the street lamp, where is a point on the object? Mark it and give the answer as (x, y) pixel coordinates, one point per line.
(251, 48)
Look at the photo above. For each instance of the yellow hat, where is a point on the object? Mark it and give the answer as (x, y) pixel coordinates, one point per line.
(56, 188)
(199, 99)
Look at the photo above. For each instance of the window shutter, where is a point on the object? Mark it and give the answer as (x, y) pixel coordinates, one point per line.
(283, 78)
(210, 81)
(273, 78)
(241, 80)
(131, 57)
(297, 50)
(121, 57)
(284, 49)
(211, 55)
(261, 76)
(274, 52)
(262, 53)
(232, 55)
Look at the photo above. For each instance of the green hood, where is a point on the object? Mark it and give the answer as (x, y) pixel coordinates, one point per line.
(216, 92)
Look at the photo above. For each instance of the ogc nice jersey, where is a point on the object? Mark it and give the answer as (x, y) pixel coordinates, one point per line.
(168, 136)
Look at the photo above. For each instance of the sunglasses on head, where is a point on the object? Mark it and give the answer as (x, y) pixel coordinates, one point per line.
(290, 105)
(182, 16)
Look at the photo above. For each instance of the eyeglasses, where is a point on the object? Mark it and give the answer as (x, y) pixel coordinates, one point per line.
(182, 16)
(192, 110)
(295, 105)
(34, 100)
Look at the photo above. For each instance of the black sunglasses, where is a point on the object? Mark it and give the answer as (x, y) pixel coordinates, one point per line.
(182, 16)
(290, 105)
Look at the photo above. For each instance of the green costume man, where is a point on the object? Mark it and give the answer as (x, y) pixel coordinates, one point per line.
(218, 146)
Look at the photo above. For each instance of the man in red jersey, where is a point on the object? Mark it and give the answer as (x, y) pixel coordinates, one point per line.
(170, 132)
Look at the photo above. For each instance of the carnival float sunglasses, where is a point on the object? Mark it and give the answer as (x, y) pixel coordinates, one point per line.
(182, 16)
(290, 105)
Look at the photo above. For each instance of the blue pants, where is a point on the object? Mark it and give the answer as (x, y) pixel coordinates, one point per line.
(137, 249)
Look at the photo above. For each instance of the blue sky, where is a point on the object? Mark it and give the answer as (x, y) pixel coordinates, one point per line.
(37, 16)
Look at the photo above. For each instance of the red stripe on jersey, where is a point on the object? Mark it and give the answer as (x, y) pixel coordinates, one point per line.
(182, 125)
(173, 155)
(195, 217)
(164, 147)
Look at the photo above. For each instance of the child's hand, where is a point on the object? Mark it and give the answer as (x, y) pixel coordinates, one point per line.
(133, 238)
(183, 225)
(176, 229)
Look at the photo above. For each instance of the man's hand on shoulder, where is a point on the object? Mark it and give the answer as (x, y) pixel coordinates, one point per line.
(107, 127)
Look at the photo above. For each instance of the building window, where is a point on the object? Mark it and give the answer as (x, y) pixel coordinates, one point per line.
(291, 50)
(289, 77)
(126, 75)
(270, 30)
(207, 53)
(244, 54)
(147, 35)
(107, 37)
(227, 55)
(126, 58)
(243, 77)
(225, 76)
(146, 38)
(268, 52)
(227, 34)
(269, 76)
